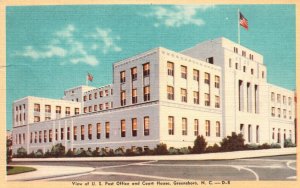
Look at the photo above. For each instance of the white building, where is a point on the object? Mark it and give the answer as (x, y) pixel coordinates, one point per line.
(160, 96)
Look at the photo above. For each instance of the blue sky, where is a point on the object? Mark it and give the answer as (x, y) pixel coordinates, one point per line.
(51, 48)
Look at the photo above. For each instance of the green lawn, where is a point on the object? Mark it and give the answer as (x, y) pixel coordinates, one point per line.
(18, 169)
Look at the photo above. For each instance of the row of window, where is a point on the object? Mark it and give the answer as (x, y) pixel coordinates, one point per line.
(101, 94)
(244, 54)
(134, 99)
(96, 107)
(146, 73)
(279, 135)
(57, 109)
(279, 113)
(284, 101)
(19, 117)
(171, 127)
(245, 68)
(249, 136)
(20, 107)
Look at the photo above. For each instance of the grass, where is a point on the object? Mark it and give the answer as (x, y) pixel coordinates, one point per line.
(11, 170)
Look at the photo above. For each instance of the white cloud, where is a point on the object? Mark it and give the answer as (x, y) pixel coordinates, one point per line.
(106, 40)
(48, 52)
(66, 32)
(89, 59)
(179, 15)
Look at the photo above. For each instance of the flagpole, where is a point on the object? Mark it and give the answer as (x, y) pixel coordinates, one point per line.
(238, 16)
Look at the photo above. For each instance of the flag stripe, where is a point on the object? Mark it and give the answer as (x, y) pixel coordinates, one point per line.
(243, 21)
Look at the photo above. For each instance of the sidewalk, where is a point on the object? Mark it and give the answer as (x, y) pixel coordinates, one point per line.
(205, 156)
(43, 172)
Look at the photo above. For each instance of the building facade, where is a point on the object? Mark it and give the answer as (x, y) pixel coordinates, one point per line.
(160, 96)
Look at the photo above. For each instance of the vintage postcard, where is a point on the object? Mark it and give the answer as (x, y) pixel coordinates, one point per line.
(140, 95)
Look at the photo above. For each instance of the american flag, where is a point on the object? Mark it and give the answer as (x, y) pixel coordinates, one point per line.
(90, 77)
(243, 21)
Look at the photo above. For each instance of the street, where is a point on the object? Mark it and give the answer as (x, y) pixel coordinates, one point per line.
(263, 168)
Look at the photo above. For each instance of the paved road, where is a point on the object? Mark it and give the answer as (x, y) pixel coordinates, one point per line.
(265, 168)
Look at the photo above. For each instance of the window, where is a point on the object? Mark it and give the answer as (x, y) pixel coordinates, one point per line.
(50, 135)
(90, 131)
(146, 126)
(56, 134)
(82, 132)
(196, 97)
(290, 100)
(20, 117)
(229, 62)
(62, 133)
(146, 93)
(252, 71)
(111, 92)
(272, 96)
(90, 96)
(207, 128)
(35, 137)
(273, 134)
(218, 129)
(263, 74)
(100, 106)
(217, 82)
(45, 136)
(146, 69)
(122, 77)
(123, 98)
(170, 66)
(244, 68)
(90, 108)
(134, 96)
(58, 110)
(134, 126)
(251, 56)
(48, 108)
(75, 133)
(17, 118)
(273, 111)
(95, 107)
(84, 98)
(284, 99)
(217, 102)
(284, 113)
(95, 95)
(183, 95)
(244, 53)
(235, 49)
(236, 66)
(290, 114)
(257, 134)
(249, 133)
(171, 125)
(123, 128)
(68, 111)
(98, 130)
(184, 126)
(106, 92)
(16, 108)
(207, 99)
(278, 136)
(210, 60)
(278, 112)
(106, 105)
(170, 92)
(36, 118)
(101, 94)
(206, 78)
(107, 129)
(47, 117)
(183, 72)
(68, 133)
(40, 137)
(196, 75)
(196, 127)
(133, 73)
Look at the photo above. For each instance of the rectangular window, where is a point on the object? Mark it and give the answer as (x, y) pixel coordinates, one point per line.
(146, 93)
(210, 60)
(98, 130)
(206, 78)
(58, 110)
(122, 77)
(134, 126)
(279, 112)
(90, 129)
(62, 133)
(290, 101)
(101, 94)
(146, 69)
(35, 137)
(85, 109)
(278, 98)
(36, 118)
(236, 66)
(196, 75)
(95, 95)
(290, 114)
(123, 128)
(106, 105)
(273, 111)
(272, 96)
(273, 134)
(146, 126)
(183, 95)
(90, 108)
(235, 49)
(68, 111)
(218, 129)
(37, 107)
(75, 133)
(134, 96)
(284, 113)
(82, 132)
(50, 135)
(100, 106)
(284, 99)
(107, 129)
(184, 126)
(244, 53)
(95, 108)
(252, 71)
(207, 128)
(68, 133)
(257, 134)
(207, 99)
(183, 72)
(45, 136)
(84, 98)
(106, 92)
(40, 136)
(196, 127)
(196, 97)
(90, 96)
(171, 125)
(133, 73)
(217, 82)
(170, 68)
(56, 134)
(170, 91)
(217, 102)
(48, 108)
(123, 98)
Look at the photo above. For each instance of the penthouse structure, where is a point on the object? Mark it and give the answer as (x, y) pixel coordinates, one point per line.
(160, 96)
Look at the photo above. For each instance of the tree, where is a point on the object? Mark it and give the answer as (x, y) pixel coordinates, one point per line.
(199, 144)
(8, 150)
(233, 143)
(58, 150)
(21, 152)
(161, 149)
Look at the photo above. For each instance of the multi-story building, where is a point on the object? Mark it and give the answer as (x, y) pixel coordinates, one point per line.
(160, 96)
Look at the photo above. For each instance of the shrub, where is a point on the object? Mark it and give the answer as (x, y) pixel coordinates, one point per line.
(47, 154)
(184, 150)
(264, 146)
(213, 149)
(80, 153)
(252, 146)
(233, 143)
(39, 153)
(139, 151)
(70, 153)
(173, 151)
(129, 152)
(199, 144)
(21, 152)
(275, 145)
(96, 153)
(58, 150)
(288, 143)
(89, 153)
(31, 155)
(8, 150)
(148, 152)
(161, 149)
(119, 152)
